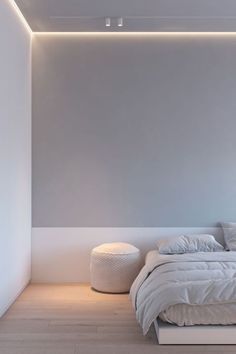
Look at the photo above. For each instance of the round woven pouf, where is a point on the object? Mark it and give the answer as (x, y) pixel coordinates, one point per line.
(114, 266)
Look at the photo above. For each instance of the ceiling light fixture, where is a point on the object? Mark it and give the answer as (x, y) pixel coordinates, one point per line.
(120, 22)
(108, 22)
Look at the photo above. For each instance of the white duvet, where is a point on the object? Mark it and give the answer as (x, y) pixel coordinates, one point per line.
(203, 278)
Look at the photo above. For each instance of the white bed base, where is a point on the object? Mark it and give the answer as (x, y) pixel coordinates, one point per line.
(173, 334)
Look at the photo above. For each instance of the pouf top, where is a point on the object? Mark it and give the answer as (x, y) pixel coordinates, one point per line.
(116, 248)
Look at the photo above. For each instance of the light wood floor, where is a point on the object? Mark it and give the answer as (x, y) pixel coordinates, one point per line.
(73, 319)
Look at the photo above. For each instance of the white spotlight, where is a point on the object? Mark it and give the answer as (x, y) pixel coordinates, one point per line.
(120, 22)
(108, 22)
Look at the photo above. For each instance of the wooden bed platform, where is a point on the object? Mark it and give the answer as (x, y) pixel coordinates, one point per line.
(173, 334)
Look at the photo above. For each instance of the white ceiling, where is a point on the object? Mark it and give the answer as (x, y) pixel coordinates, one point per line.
(139, 15)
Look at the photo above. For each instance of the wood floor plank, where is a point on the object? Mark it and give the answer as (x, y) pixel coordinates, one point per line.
(73, 319)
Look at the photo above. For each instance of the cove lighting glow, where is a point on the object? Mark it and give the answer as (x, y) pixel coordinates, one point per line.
(20, 15)
(158, 34)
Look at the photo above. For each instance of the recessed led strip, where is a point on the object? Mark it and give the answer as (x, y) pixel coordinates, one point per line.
(20, 15)
(158, 34)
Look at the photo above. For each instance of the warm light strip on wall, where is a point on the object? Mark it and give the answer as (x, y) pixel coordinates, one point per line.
(158, 34)
(20, 15)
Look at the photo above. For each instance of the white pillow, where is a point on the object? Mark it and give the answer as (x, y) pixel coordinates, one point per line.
(230, 235)
(189, 244)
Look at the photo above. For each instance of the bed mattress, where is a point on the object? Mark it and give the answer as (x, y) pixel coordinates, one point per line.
(189, 315)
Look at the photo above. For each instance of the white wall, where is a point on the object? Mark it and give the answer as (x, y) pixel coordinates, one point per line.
(15, 155)
(63, 254)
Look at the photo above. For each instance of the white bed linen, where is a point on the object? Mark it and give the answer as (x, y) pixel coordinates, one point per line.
(202, 278)
(190, 315)
(190, 243)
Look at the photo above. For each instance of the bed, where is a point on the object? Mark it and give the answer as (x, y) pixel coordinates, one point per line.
(190, 298)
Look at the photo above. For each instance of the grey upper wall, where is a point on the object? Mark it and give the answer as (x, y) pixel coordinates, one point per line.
(134, 131)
